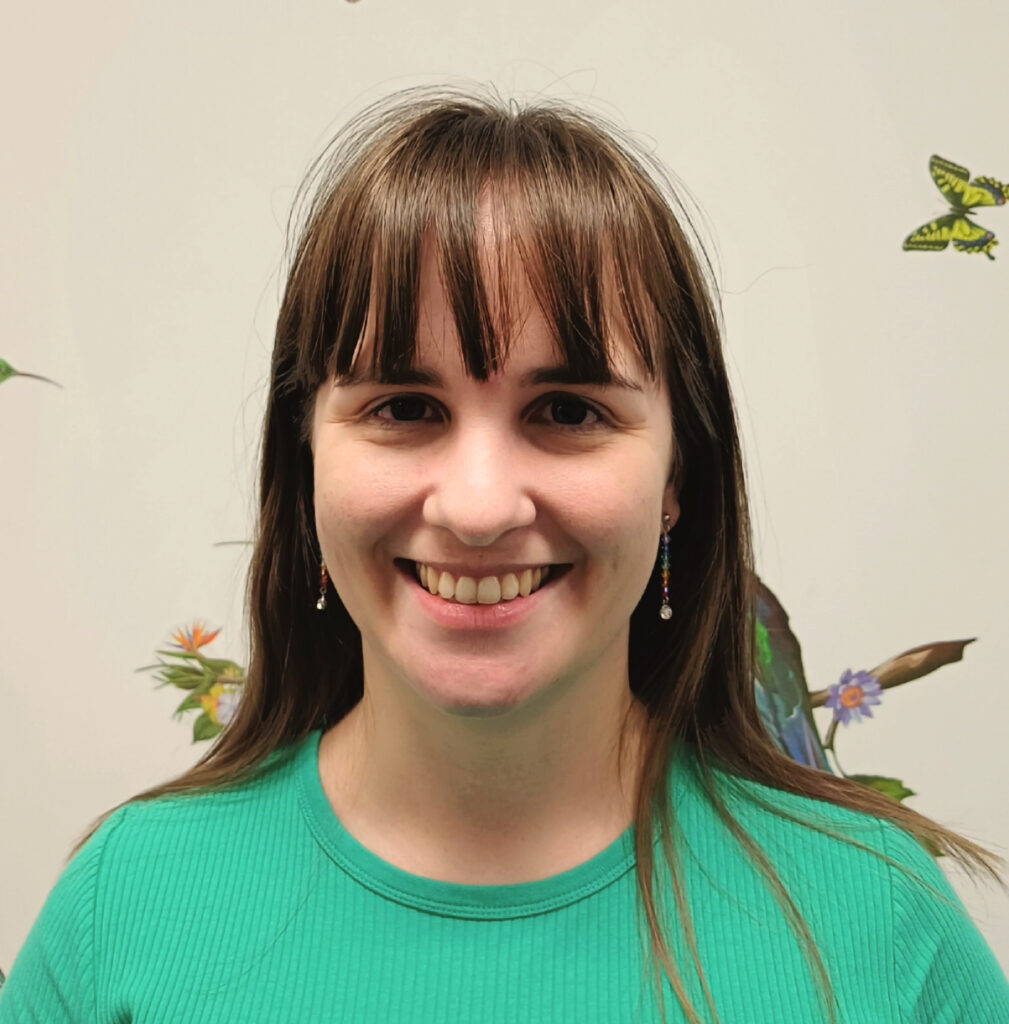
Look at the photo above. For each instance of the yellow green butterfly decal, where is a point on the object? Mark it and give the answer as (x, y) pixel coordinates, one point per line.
(963, 195)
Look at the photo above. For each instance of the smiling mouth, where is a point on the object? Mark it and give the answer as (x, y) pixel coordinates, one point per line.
(409, 569)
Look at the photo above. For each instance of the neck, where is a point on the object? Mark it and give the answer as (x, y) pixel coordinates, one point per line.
(478, 801)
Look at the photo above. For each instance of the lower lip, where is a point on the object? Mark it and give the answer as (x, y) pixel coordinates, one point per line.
(480, 616)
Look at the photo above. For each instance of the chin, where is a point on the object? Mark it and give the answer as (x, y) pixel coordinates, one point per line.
(479, 693)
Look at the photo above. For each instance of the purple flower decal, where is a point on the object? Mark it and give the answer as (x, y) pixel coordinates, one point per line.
(851, 697)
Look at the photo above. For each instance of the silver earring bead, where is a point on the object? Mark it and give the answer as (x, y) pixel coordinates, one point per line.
(665, 611)
(323, 581)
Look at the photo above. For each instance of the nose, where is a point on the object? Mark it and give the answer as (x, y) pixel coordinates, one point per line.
(480, 486)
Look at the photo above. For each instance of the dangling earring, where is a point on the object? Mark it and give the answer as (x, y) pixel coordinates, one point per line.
(324, 580)
(665, 611)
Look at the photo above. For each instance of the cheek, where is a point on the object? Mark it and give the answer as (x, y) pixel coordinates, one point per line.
(352, 499)
(330, 491)
(617, 529)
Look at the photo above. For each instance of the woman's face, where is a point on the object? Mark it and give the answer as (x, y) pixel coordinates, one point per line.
(491, 477)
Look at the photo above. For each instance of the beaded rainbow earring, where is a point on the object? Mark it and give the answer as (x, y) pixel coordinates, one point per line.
(665, 611)
(323, 582)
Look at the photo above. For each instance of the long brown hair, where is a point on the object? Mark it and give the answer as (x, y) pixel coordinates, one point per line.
(578, 196)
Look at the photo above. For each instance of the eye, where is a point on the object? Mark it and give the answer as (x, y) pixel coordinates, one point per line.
(571, 406)
(411, 407)
(409, 403)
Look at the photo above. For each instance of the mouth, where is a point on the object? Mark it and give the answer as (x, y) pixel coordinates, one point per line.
(408, 568)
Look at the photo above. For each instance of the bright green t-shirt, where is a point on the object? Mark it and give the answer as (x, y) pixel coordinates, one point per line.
(255, 905)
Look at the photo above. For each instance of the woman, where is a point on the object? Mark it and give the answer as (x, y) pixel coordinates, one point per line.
(501, 649)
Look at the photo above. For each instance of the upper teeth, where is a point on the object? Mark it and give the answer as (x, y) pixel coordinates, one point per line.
(486, 590)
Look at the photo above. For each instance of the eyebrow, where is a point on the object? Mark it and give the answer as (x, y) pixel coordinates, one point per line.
(422, 377)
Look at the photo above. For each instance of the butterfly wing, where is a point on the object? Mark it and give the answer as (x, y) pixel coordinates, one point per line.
(971, 237)
(934, 235)
(962, 194)
(990, 192)
(965, 235)
(953, 181)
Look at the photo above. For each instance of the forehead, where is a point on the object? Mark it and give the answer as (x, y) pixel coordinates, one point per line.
(531, 351)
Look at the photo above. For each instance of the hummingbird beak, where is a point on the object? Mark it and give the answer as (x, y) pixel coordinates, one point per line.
(35, 376)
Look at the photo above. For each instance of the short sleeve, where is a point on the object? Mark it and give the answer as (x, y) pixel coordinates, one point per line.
(52, 979)
(944, 970)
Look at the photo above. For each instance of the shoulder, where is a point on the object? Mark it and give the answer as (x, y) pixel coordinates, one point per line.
(217, 825)
(944, 968)
(798, 828)
(154, 863)
(869, 881)
(215, 870)
(53, 975)
(828, 838)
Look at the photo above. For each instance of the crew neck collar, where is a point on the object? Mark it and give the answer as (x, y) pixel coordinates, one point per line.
(453, 899)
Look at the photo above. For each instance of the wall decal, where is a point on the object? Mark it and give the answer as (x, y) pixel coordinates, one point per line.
(963, 195)
(786, 703)
(7, 371)
(214, 685)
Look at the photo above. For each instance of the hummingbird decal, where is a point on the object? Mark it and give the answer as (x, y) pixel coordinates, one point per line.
(7, 371)
(781, 688)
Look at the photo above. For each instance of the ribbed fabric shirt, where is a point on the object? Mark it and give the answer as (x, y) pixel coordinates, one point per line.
(257, 905)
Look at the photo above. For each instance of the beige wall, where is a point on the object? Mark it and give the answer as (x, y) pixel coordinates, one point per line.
(149, 157)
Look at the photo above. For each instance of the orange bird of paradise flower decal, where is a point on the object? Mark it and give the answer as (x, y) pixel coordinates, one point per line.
(214, 685)
(195, 638)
